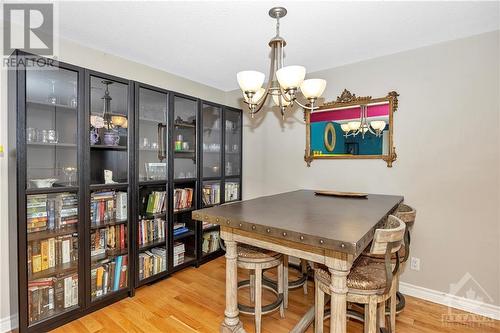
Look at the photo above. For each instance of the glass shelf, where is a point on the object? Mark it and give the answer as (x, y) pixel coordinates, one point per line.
(212, 140)
(184, 137)
(232, 147)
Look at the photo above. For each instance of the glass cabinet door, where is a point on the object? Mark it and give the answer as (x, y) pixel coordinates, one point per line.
(51, 127)
(232, 132)
(52, 216)
(108, 131)
(152, 135)
(184, 137)
(212, 140)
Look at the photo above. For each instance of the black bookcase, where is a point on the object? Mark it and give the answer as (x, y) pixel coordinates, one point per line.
(118, 154)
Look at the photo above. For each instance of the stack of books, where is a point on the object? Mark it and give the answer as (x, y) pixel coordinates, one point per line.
(231, 191)
(180, 228)
(51, 212)
(179, 250)
(210, 242)
(108, 240)
(108, 206)
(49, 296)
(151, 230)
(183, 198)
(152, 262)
(109, 276)
(51, 252)
(211, 194)
(157, 202)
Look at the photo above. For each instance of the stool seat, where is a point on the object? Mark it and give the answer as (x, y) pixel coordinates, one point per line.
(248, 252)
(366, 275)
(406, 213)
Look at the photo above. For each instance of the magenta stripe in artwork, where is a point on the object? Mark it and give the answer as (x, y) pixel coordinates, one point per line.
(351, 113)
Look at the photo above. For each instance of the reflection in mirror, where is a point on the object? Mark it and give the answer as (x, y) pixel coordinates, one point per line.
(352, 128)
(360, 130)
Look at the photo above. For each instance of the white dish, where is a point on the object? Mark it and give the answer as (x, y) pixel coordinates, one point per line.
(46, 182)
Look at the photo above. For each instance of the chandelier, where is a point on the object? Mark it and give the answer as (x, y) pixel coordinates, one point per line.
(353, 128)
(284, 81)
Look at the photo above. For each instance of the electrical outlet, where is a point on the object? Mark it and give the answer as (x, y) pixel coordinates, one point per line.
(415, 264)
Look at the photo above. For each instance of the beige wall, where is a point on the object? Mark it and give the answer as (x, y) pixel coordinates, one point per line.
(73, 53)
(447, 140)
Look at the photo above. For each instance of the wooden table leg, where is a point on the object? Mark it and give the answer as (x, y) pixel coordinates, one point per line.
(231, 323)
(339, 266)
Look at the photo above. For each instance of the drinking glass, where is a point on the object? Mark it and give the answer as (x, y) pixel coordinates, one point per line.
(52, 98)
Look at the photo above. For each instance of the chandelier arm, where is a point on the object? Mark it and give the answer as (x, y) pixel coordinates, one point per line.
(312, 107)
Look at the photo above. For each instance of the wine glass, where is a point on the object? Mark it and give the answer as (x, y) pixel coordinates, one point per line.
(69, 172)
(52, 98)
(73, 100)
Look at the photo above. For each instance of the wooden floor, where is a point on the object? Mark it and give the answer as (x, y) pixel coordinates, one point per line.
(193, 301)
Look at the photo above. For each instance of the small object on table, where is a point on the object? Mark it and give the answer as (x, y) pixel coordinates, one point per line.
(342, 194)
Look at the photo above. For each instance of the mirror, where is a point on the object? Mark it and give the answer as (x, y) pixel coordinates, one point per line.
(352, 128)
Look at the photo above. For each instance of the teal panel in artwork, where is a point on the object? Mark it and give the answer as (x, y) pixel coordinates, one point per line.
(318, 134)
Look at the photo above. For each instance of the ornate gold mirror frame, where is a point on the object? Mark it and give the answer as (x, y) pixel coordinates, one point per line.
(345, 100)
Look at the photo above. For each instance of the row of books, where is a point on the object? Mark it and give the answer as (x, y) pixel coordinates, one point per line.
(211, 194)
(179, 250)
(111, 275)
(51, 252)
(183, 198)
(110, 238)
(151, 230)
(210, 242)
(157, 202)
(108, 205)
(152, 262)
(51, 211)
(232, 191)
(49, 296)
(180, 228)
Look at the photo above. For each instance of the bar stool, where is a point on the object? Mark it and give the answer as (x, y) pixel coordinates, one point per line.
(301, 281)
(407, 214)
(370, 282)
(257, 260)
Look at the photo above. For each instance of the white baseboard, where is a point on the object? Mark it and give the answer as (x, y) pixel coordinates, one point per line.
(8, 323)
(460, 303)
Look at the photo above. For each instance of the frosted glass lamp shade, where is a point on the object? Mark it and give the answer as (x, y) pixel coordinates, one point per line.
(313, 88)
(276, 100)
(250, 81)
(378, 125)
(291, 76)
(345, 127)
(255, 98)
(354, 125)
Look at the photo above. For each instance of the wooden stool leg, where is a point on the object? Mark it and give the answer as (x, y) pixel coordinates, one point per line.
(381, 315)
(303, 264)
(393, 302)
(252, 286)
(281, 283)
(372, 316)
(285, 278)
(258, 299)
(319, 308)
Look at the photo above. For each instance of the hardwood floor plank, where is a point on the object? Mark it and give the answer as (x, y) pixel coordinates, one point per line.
(193, 301)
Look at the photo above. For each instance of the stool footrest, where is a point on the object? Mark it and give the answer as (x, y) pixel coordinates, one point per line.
(250, 310)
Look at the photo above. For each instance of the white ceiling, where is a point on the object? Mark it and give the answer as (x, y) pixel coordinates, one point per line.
(209, 42)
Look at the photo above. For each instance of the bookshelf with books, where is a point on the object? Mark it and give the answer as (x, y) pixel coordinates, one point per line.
(46, 201)
(151, 234)
(106, 173)
(220, 168)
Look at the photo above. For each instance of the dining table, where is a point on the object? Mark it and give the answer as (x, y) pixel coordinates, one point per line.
(332, 230)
